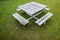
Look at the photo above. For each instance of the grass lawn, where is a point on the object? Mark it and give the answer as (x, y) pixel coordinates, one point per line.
(11, 29)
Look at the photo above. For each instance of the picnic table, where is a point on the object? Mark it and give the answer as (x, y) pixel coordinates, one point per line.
(33, 9)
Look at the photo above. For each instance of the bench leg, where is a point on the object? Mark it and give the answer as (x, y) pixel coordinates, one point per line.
(45, 22)
(20, 23)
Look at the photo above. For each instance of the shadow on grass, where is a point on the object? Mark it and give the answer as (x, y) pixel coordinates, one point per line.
(23, 14)
(32, 21)
(29, 26)
(42, 14)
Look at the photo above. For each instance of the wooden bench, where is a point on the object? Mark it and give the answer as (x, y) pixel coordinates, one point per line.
(20, 19)
(44, 18)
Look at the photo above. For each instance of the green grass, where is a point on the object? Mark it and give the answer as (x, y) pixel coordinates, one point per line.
(11, 29)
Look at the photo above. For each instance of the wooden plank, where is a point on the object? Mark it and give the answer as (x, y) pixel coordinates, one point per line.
(32, 7)
(27, 9)
(40, 6)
